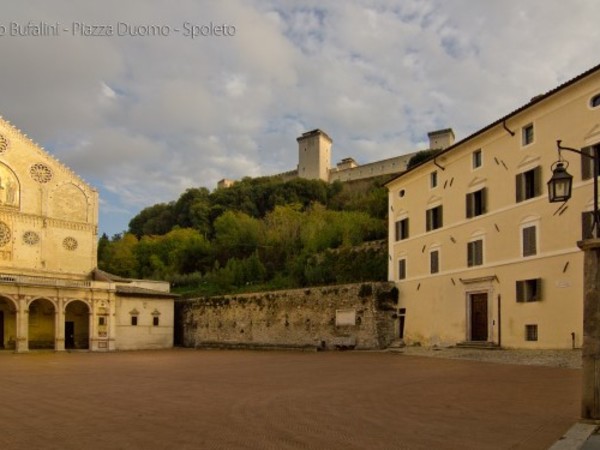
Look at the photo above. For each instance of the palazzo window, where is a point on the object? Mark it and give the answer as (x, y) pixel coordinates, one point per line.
(475, 253)
(529, 290)
(476, 203)
(402, 269)
(434, 261)
(134, 313)
(531, 332)
(434, 218)
(529, 184)
(433, 179)
(527, 134)
(477, 159)
(155, 317)
(529, 235)
(402, 229)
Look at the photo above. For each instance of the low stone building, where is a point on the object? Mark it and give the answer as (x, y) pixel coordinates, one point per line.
(51, 293)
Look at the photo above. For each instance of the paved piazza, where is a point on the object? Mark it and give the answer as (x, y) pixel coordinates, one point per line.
(188, 399)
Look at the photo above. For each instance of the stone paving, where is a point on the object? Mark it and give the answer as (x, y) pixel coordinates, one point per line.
(190, 399)
(551, 358)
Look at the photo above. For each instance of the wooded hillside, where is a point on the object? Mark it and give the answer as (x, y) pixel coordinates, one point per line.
(261, 233)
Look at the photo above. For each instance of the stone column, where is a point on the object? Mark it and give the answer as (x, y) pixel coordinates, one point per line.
(590, 397)
(92, 326)
(112, 323)
(59, 326)
(22, 346)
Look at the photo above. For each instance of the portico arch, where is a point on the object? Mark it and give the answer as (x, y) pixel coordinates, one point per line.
(77, 325)
(42, 313)
(8, 323)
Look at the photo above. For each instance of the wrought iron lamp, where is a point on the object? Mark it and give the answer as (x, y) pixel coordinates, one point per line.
(559, 190)
(561, 183)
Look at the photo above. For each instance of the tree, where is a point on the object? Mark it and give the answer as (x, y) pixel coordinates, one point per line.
(121, 259)
(157, 219)
(237, 235)
(283, 241)
(180, 251)
(192, 210)
(421, 156)
(103, 250)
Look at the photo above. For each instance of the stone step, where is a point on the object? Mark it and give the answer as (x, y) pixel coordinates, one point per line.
(484, 345)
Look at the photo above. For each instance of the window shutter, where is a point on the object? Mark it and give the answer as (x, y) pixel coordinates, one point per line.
(520, 291)
(402, 269)
(397, 230)
(586, 164)
(470, 254)
(520, 178)
(434, 266)
(470, 199)
(428, 219)
(483, 200)
(529, 241)
(537, 181)
(441, 216)
(538, 290)
(587, 224)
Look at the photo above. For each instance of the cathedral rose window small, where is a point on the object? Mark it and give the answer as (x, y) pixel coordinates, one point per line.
(31, 237)
(70, 243)
(40, 173)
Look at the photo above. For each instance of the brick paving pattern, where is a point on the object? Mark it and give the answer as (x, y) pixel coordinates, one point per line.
(188, 399)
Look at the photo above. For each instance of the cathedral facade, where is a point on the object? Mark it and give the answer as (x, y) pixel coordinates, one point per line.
(52, 296)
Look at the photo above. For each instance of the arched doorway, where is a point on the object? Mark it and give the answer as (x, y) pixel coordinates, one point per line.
(77, 325)
(8, 324)
(41, 324)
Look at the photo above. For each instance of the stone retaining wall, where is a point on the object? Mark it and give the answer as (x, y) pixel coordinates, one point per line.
(361, 316)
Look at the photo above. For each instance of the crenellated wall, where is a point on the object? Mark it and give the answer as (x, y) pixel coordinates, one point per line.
(361, 316)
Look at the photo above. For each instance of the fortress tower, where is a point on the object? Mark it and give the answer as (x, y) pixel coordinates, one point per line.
(314, 155)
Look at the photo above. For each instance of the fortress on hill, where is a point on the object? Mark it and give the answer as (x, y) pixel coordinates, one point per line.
(314, 160)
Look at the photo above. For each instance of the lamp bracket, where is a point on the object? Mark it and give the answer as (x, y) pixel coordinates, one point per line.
(560, 147)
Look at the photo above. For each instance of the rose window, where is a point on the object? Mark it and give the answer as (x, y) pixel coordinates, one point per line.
(31, 237)
(41, 173)
(70, 243)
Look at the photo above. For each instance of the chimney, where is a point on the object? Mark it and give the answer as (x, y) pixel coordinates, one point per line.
(441, 139)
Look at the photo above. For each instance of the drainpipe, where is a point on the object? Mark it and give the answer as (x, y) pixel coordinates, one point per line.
(512, 133)
(436, 163)
(499, 321)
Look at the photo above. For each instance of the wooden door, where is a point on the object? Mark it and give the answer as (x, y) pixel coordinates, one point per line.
(479, 317)
(69, 334)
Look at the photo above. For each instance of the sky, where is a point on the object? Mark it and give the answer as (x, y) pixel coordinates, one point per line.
(145, 99)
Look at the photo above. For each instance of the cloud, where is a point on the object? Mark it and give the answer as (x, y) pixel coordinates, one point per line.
(144, 118)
